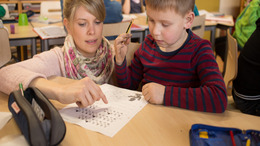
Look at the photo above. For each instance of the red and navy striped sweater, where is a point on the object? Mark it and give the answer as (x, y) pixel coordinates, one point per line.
(190, 74)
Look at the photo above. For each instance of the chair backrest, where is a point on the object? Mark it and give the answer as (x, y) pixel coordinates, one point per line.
(231, 62)
(5, 51)
(198, 25)
(132, 47)
(114, 29)
(50, 8)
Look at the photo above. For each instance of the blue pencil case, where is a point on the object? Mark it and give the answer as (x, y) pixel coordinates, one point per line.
(206, 135)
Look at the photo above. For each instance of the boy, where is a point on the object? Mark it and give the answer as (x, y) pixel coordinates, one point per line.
(175, 66)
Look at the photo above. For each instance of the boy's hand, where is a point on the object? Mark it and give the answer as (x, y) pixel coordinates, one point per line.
(153, 93)
(120, 45)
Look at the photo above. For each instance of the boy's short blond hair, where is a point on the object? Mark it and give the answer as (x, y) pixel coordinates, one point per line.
(94, 7)
(181, 7)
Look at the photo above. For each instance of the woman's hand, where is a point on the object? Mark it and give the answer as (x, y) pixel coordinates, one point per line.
(153, 93)
(84, 92)
(120, 45)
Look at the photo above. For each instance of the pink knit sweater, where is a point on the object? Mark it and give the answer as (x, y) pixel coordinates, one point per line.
(46, 64)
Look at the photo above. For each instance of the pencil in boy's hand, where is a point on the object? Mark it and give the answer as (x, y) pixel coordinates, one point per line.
(129, 27)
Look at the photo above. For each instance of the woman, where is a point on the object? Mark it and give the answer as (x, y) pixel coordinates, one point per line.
(86, 57)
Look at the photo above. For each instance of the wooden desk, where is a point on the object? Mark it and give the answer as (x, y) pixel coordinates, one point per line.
(153, 125)
(140, 33)
(53, 41)
(24, 35)
(212, 25)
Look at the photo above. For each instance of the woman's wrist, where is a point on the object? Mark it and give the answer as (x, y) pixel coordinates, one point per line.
(49, 88)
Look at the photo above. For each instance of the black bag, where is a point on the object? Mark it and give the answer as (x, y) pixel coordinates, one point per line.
(38, 120)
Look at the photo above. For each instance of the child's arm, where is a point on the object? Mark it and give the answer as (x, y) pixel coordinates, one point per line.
(126, 76)
(196, 84)
(120, 45)
(209, 95)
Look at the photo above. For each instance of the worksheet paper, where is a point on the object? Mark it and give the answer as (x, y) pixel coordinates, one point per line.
(108, 119)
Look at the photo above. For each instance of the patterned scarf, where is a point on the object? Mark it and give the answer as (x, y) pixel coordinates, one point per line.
(99, 68)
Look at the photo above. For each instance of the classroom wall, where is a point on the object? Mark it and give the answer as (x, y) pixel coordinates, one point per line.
(210, 6)
(230, 7)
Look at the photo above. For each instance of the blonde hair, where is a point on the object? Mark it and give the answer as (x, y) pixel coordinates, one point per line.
(95, 7)
(181, 7)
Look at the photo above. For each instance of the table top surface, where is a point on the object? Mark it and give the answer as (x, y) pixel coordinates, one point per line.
(21, 32)
(153, 125)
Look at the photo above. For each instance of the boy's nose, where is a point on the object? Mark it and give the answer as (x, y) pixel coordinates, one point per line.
(156, 30)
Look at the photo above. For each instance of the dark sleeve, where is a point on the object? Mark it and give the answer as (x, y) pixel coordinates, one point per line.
(248, 79)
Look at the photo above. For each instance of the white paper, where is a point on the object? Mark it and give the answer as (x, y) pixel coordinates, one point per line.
(13, 140)
(128, 17)
(4, 118)
(212, 17)
(50, 31)
(109, 118)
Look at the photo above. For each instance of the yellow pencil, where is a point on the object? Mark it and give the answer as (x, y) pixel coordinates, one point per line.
(129, 27)
(248, 142)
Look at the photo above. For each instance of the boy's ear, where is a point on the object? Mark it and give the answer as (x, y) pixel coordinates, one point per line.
(66, 24)
(189, 17)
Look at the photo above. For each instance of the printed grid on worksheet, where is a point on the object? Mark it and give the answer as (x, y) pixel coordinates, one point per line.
(109, 118)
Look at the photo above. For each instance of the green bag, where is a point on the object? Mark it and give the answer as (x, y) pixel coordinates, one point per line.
(2, 11)
(245, 23)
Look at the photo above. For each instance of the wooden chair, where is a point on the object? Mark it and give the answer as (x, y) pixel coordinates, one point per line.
(130, 52)
(5, 51)
(230, 69)
(198, 25)
(231, 62)
(115, 29)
